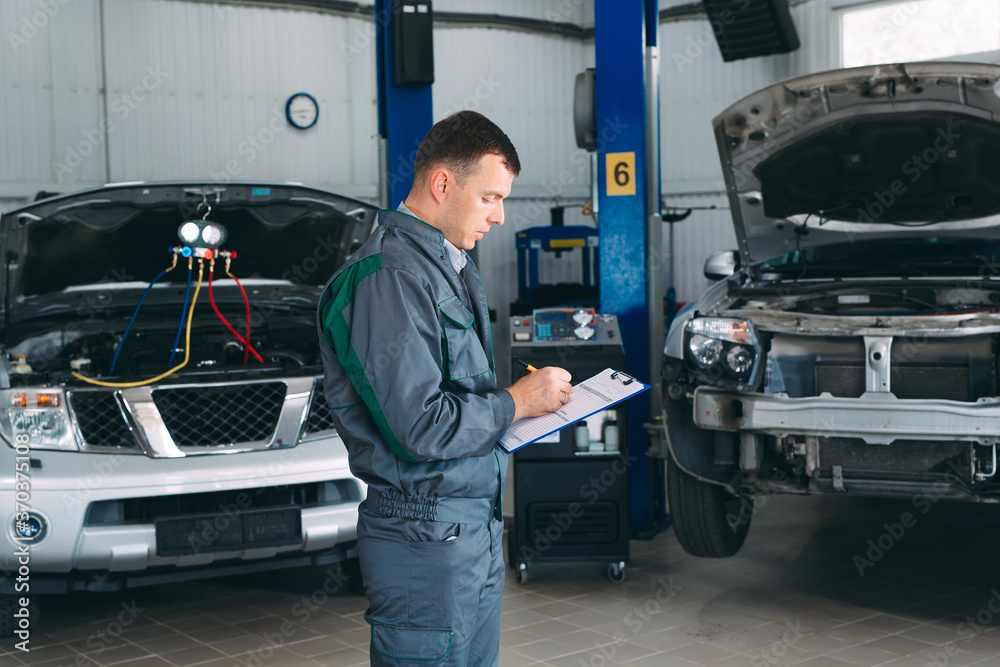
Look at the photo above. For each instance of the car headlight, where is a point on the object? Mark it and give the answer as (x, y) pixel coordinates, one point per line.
(38, 413)
(705, 351)
(724, 350)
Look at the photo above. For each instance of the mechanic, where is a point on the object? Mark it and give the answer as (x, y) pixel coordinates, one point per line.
(410, 377)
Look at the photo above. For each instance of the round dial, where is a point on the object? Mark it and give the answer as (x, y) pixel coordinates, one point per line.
(583, 317)
(583, 332)
(302, 111)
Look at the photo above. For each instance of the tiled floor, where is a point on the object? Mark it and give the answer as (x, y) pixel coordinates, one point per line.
(821, 582)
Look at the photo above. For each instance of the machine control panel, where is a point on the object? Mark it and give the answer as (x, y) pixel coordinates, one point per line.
(565, 325)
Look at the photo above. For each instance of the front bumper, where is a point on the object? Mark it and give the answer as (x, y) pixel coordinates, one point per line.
(876, 418)
(65, 485)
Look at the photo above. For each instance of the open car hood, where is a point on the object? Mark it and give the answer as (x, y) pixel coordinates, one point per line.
(119, 235)
(864, 153)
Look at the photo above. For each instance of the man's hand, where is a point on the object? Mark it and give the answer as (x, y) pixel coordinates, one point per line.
(540, 392)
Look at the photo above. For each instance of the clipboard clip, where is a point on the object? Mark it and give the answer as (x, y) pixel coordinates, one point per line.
(621, 377)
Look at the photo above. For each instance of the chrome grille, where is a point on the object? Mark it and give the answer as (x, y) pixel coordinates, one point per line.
(320, 416)
(100, 419)
(220, 416)
(913, 382)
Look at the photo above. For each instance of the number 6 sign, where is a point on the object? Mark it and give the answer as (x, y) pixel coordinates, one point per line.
(620, 170)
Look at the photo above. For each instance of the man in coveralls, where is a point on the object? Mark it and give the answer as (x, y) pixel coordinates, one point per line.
(410, 377)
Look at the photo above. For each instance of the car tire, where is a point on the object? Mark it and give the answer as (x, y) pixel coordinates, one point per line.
(708, 520)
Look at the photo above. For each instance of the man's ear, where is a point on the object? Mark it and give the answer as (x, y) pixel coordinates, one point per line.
(441, 182)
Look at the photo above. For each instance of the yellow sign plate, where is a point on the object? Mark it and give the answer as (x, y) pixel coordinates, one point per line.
(567, 243)
(620, 169)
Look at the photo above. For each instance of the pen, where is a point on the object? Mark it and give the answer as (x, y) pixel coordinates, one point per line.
(524, 363)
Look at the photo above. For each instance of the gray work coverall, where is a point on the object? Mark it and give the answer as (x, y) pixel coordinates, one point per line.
(411, 382)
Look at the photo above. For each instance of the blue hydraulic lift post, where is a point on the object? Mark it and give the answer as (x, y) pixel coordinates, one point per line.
(405, 114)
(624, 212)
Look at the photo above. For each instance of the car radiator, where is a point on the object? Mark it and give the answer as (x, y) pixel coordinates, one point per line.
(903, 456)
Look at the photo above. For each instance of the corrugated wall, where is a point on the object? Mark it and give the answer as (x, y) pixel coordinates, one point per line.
(50, 94)
(200, 91)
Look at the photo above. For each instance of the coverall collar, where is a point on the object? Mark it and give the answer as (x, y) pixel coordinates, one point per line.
(455, 255)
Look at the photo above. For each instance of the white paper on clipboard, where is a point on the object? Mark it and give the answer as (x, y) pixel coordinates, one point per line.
(607, 388)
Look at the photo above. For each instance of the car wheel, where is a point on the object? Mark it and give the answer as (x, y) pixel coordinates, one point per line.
(707, 519)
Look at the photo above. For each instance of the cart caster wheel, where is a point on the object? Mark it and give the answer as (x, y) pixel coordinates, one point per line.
(616, 572)
(522, 574)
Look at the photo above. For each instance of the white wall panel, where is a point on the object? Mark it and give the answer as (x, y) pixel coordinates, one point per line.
(818, 30)
(50, 100)
(200, 92)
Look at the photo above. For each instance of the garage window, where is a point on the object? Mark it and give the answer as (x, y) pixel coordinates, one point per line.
(890, 32)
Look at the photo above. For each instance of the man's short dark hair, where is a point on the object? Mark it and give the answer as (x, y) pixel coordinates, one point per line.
(459, 142)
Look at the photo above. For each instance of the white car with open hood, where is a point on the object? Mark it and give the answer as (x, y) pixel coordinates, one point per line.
(851, 343)
(163, 417)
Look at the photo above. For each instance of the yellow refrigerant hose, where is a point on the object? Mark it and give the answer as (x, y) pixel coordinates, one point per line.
(187, 348)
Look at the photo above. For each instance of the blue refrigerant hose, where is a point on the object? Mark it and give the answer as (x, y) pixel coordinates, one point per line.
(114, 361)
(180, 327)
